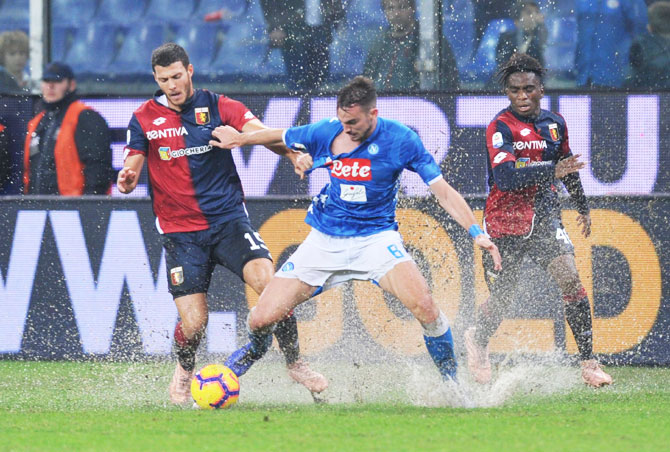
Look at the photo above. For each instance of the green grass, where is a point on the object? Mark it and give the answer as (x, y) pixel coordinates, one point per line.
(115, 406)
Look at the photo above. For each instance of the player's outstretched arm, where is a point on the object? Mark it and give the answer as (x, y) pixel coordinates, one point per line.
(227, 137)
(300, 160)
(128, 177)
(455, 205)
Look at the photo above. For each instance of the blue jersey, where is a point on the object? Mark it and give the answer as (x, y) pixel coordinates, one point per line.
(362, 194)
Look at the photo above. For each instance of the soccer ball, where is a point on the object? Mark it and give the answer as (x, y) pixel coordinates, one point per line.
(214, 387)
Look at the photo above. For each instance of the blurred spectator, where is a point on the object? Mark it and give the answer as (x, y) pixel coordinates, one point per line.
(5, 158)
(605, 29)
(13, 59)
(67, 148)
(650, 53)
(303, 30)
(392, 59)
(484, 12)
(529, 35)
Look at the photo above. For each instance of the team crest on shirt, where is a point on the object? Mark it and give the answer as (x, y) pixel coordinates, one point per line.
(373, 149)
(177, 276)
(164, 153)
(202, 115)
(553, 131)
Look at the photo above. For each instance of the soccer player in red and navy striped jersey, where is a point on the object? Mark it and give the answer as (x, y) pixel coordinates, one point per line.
(199, 205)
(529, 153)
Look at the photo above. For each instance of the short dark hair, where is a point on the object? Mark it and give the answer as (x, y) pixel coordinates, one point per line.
(659, 17)
(167, 54)
(520, 62)
(359, 91)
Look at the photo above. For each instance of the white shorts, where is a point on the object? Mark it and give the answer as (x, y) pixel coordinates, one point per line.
(325, 261)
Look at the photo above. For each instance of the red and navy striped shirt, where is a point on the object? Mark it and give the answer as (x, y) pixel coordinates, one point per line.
(521, 166)
(193, 185)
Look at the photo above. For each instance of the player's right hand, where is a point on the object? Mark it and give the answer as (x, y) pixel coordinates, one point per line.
(226, 138)
(568, 165)
(483, 241)
(301, 162)
(126, 180)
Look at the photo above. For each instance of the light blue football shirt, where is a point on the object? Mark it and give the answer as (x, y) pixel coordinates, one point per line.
(361, 197)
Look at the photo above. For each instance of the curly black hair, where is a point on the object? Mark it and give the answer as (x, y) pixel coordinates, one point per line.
(519, 62)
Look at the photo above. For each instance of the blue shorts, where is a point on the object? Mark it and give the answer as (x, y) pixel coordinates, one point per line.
(190, 257)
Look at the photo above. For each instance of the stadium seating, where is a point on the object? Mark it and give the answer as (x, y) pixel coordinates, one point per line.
(202, 41)
(14, 15)
(93, 48)
(72, 12)
(121, 11)
(170, 11)
(236, 7)
(62, 38)
(134, 56)
(483, 64)
(458, 27)
(559, 55)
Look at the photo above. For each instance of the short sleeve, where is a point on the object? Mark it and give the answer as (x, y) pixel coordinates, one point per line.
(234, 113)
(136, 141)
(302, 138)
(565, 141)
(419, 159)
(499, 143)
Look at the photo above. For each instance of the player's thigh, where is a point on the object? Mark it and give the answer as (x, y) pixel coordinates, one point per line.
(502, 283)
(553, 250)
(188, 263)
(258, 273)
(237, 244)
(280, 296)
(564, 271)
(193, 313)
(406, 283)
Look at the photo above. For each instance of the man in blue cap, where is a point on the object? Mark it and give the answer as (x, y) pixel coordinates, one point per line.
(67, 148)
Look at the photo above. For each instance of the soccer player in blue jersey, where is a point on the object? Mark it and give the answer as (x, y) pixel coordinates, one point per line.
(199, 205)
(354, 232)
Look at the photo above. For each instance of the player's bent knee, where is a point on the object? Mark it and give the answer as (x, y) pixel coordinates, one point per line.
(426, 310)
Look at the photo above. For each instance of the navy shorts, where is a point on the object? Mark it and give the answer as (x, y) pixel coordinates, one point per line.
(547, 241)
(190, 257)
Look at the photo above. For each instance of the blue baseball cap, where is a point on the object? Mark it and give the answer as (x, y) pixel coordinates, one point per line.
(55, 72)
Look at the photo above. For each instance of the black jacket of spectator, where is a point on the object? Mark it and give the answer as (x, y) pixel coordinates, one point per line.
(5, 161)
(92, 138)
(650, 62)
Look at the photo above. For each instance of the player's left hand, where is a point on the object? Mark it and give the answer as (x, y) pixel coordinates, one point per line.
(484, 242)
(301, 162)
(585, 222)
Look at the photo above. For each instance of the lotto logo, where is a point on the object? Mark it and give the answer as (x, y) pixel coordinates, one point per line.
(351, 169)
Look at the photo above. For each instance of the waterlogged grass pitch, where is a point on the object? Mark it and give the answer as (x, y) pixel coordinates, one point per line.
(123, 406)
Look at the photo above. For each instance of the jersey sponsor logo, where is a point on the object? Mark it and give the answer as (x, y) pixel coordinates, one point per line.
(525, 132)
(159, 121)
(351, 169)
(530, 145)
(500, 156)
(373, 149)
(497, 140)
(166, 154)
(353, 193)
(553, 131)
(522, 162)
(167, 133)
(202, 115)
(177, 276)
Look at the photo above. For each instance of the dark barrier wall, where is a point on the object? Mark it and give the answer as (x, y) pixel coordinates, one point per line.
(86, 278)
(624, 138)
